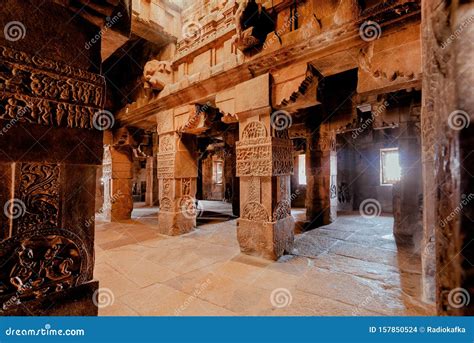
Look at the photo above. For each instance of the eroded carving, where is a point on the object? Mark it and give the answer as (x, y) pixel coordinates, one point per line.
(157, 74)
(282, 210)
(46, 92)
(255, 211)
(166, 204)
(41, 263)
(186, 186)
(254, 129)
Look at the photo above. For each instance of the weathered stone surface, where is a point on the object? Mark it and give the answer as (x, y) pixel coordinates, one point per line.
(266, 239)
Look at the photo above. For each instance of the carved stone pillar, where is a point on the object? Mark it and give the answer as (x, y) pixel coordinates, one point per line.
(50, 149)
(118, 201)
(177, 174)
(264, 165)
(321, 176)
(448, 164)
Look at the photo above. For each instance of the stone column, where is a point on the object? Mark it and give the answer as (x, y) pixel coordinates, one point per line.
(321, 176)
(51, 103)
(447, 138)
(121, 205)
(118, 165)
(149, 181)
(264, 165)
(177, 174)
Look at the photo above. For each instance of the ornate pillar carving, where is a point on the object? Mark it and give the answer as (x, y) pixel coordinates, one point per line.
(264, 165)
(50, 149)
(177, 174)
(118, 175)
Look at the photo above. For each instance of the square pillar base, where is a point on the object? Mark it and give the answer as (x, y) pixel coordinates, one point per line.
(175, 223)
(269, 240)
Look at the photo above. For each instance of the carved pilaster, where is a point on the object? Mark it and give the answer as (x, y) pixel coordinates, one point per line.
(264, 165)
(177, 174)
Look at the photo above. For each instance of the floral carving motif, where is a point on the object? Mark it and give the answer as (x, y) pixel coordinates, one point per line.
(282, 211)
(39, 191)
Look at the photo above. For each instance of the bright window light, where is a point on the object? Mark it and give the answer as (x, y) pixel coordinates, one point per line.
(218, 167)
(302, 169)
(390, 171)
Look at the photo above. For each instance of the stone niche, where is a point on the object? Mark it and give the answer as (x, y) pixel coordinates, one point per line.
(49, 154)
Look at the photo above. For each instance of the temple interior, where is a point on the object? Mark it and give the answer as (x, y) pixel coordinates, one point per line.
(236, 157)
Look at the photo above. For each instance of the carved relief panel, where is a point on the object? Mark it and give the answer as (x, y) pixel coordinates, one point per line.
(261, 155)
(46, 92)
(38, 194)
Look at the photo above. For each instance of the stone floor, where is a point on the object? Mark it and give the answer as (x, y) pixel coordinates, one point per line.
(351, 267)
